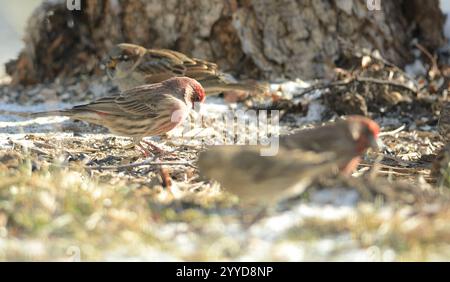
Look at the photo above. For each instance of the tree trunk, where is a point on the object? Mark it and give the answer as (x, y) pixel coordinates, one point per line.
(259, 39)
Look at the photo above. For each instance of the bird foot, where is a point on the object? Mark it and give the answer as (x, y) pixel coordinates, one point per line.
(146, 152)
(155, 150)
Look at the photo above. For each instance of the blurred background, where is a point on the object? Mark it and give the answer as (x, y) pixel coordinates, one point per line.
(14, 15)
(13, 19)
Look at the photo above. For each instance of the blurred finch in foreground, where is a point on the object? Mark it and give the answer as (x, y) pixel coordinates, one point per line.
(347, 139)
(130, 65)
(302, 158)
(242, 171)
(147, 110)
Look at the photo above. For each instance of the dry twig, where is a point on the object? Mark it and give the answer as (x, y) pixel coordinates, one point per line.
(392, 132)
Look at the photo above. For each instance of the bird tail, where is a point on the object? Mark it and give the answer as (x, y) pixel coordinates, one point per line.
(254, 87)
(65, 113)
(38, 114)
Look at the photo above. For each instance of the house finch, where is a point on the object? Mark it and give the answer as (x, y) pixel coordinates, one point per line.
(302, 157)
(131, 65)
(147, 110)
(444, 122)
(348, 139)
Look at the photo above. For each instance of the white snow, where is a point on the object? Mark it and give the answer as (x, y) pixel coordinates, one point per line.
(335, 197)
(416, 69)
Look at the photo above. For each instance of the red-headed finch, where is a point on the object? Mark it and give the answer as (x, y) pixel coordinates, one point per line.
(348, 139)
(130, 65)
(147, 110)
(302, 157)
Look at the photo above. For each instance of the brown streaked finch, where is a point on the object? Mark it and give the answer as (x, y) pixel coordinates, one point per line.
(302, 157)
(444, 122)
(147, 110)
(130, 65)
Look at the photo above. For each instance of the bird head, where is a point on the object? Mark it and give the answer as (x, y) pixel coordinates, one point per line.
(364, 132)
(197, 94)
(191, 91)
(122, 59)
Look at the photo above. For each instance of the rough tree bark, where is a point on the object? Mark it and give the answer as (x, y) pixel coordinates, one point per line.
(253, 38)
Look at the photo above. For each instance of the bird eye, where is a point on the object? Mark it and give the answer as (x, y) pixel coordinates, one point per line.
(124, 57)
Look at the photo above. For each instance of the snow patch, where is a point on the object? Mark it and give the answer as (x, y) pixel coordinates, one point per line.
(335, 197)
(416, 69)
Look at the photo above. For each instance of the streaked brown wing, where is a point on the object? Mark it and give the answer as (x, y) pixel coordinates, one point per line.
(161, 63)
(201, 69)
(147, 100)
(143, 100)
(192, 62)
(104, 105)
(185, 60)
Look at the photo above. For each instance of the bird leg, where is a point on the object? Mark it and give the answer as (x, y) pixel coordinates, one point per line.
(137, 142)
(149, 149)
(153, 147)
(144, 150)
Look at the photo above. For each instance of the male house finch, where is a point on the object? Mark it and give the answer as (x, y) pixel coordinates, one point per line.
(147, 110)
(131, 65)
(348, 139)
(302, 158)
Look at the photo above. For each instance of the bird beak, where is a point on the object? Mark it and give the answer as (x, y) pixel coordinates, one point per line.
(196, 106)
(376, 143)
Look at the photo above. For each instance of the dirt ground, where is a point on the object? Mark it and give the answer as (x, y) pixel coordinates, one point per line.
(68, 191)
